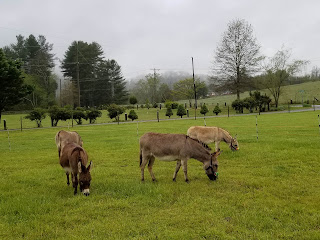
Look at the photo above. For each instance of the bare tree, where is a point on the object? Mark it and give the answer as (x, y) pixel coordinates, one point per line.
(237, 56)
(278, 71)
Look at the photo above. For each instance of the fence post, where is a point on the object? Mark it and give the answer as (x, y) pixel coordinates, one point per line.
(21, 123)
(4, 124)
(126, 116)
(187, 112)
(158, 115)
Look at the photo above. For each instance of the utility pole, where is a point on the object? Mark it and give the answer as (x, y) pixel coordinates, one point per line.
(154, 84)
(78, 80)
(60, 94)
(195, 92)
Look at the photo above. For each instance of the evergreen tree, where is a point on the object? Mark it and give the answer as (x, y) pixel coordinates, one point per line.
(169, 112)
(181, 111)
(12, 89)
(204, 110)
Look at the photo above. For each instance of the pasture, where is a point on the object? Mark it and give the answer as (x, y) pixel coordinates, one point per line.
(269, 189)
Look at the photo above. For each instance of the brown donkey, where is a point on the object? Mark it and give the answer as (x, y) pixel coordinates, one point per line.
(176, 147)
(74, 159)
(213, 134)
(65, 137)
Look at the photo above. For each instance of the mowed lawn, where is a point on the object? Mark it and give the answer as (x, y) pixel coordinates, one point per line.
(269, 189)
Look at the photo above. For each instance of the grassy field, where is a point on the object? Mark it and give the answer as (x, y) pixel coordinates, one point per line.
(294, 92)
(269, 189)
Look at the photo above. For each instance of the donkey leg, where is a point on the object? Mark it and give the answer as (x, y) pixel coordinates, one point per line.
(217, 144)
(177, 170)
(74, 182)
(68, 182)
(151, 162)
(185, 170)
(142, 166)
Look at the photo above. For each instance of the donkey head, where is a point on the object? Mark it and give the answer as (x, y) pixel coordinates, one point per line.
(84, 178)
(211, 167)
(234, 145)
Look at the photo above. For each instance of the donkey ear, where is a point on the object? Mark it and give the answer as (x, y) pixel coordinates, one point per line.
(235, 137)
(79, 167)
(89, 168)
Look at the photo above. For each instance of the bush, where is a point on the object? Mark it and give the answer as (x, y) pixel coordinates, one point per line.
(155, 105)
(169, 112)
(132, 115)
(79, 114)
(238, 105)
(56, 114)
(93, 114)
(114, 111)
(38, 114)
(172, 105)
(181, 111)
(204, 110)
(216, 110)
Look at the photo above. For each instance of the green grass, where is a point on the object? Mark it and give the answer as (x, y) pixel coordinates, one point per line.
(267, 190)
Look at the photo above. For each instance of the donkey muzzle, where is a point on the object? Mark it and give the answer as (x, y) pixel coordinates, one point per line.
(86, 192)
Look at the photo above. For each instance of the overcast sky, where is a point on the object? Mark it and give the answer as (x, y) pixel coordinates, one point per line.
(164, 34)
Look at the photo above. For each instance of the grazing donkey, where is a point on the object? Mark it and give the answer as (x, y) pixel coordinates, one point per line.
(176, 147)
(74, 159)
(213, 134)
(65, 137)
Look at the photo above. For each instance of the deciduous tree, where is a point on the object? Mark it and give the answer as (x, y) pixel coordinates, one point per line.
(237, 56)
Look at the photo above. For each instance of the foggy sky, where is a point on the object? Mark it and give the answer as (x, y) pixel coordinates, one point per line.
(163, 34)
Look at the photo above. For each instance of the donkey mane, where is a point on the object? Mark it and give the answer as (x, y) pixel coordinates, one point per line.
(202, 143)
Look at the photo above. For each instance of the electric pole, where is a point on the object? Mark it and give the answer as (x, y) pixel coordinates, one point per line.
(154, 85)
(78, 80)
(195, 92)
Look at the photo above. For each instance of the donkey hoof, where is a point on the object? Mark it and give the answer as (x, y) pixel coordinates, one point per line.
(187, 180)
(174, 179)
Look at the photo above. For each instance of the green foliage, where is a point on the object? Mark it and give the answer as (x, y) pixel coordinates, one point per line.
(93, 114)
(170, 104)
(181, 111)
(79, 114)
(13, 89)
(147, 104)
(204, 110)
(155, 105)
(133, 100)
(56, 114)
(184, 89)
(249, 103)
(105, 83)
(38, 62)
(238, 105)
(114, 111)
(133, 115)
(169, 112)
(38, 114)
(216, 110)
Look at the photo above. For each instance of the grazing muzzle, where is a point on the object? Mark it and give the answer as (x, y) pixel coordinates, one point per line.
(212, 175)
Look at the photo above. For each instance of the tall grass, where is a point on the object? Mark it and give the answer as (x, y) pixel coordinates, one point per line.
(269, 189)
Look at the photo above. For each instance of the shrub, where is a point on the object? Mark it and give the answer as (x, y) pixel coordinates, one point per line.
(216, 110)
(79, 114)
(172, 105)
(238, 105)
(169, 112)
(93, 114)
(38, 114)
(181, 111)
(133, 115)
(155, 105)
(56, 114)
(204, 110)
(114, 111)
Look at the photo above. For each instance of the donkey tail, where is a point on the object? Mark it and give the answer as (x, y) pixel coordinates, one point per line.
(140, 157)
